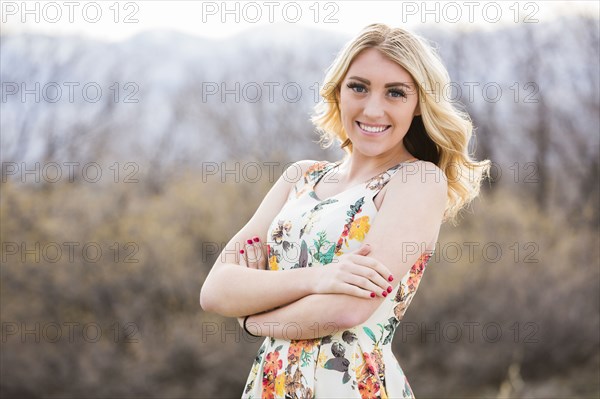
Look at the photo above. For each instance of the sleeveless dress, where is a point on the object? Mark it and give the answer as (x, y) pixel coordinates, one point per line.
(357, 362)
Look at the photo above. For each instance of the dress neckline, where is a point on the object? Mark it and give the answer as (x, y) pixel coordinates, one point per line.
(332, 165)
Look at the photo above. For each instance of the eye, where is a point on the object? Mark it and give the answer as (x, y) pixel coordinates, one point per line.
(356, 87)
(398, 93)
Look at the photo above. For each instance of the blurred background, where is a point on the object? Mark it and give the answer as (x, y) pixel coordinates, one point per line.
(138, 137)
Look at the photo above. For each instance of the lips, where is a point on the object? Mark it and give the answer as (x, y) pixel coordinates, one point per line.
(371, 130)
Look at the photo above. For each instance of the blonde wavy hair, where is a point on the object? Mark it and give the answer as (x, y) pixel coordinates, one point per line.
(440, 135)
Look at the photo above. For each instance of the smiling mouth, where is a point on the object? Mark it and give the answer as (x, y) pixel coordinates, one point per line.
(373, 128)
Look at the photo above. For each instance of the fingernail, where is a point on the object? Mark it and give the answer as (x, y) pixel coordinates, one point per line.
(372, 295)
(389, 289)
(242, 251)
(256, 239)
(390, 278)
(249, 241)
(384, 293)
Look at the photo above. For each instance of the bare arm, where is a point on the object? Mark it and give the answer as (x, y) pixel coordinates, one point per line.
(313, 316)
(231, 290)
(408, 220)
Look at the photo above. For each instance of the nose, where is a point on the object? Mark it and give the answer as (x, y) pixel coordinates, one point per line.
(373, 107)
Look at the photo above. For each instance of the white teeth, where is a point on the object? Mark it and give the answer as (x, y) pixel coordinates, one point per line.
(372, 129)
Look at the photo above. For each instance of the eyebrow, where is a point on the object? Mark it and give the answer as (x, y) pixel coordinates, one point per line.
(366, 81)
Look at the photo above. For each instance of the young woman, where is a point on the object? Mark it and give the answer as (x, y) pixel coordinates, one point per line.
(350, 240)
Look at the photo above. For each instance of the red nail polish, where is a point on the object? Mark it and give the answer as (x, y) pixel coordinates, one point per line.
(372, 295)
(242, 251)
(249, 241)
(390, 278)
(256, 239)
(384, 293)
(389, 289)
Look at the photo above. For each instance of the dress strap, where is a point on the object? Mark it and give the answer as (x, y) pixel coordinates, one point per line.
(315, 172)
(378, 182)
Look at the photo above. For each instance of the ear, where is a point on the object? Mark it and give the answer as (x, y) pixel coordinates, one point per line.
(417, 111)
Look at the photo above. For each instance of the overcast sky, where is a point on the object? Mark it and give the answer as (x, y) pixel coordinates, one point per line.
(112, 20)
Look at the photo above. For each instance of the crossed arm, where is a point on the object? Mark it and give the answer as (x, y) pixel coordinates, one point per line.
(287, 304)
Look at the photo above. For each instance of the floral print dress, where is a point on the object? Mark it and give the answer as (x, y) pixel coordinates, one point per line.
(355, 363)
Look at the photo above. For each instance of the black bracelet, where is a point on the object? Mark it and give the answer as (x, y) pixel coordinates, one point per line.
(248, 332)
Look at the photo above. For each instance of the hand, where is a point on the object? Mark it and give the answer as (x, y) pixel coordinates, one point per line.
(254, 254)
(354, 274)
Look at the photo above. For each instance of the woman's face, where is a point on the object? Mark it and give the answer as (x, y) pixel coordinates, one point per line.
(378, 100)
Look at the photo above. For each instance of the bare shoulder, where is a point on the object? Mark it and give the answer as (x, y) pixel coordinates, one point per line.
(300, 169)
(425, 174)
(421, 182)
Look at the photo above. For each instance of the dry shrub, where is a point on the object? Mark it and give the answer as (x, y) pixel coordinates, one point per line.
(179, 353)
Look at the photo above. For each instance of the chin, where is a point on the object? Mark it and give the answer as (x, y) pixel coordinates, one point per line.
(369, 149)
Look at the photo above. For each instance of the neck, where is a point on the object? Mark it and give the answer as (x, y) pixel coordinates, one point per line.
(357, 167)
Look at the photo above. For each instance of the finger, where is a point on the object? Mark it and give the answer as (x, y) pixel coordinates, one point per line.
(363, 250)
(354, 290)
(251, 254)
(261, 252)
(374, 264)
(242, 258)
(371, 274)
(257, 259)
(367, 285)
